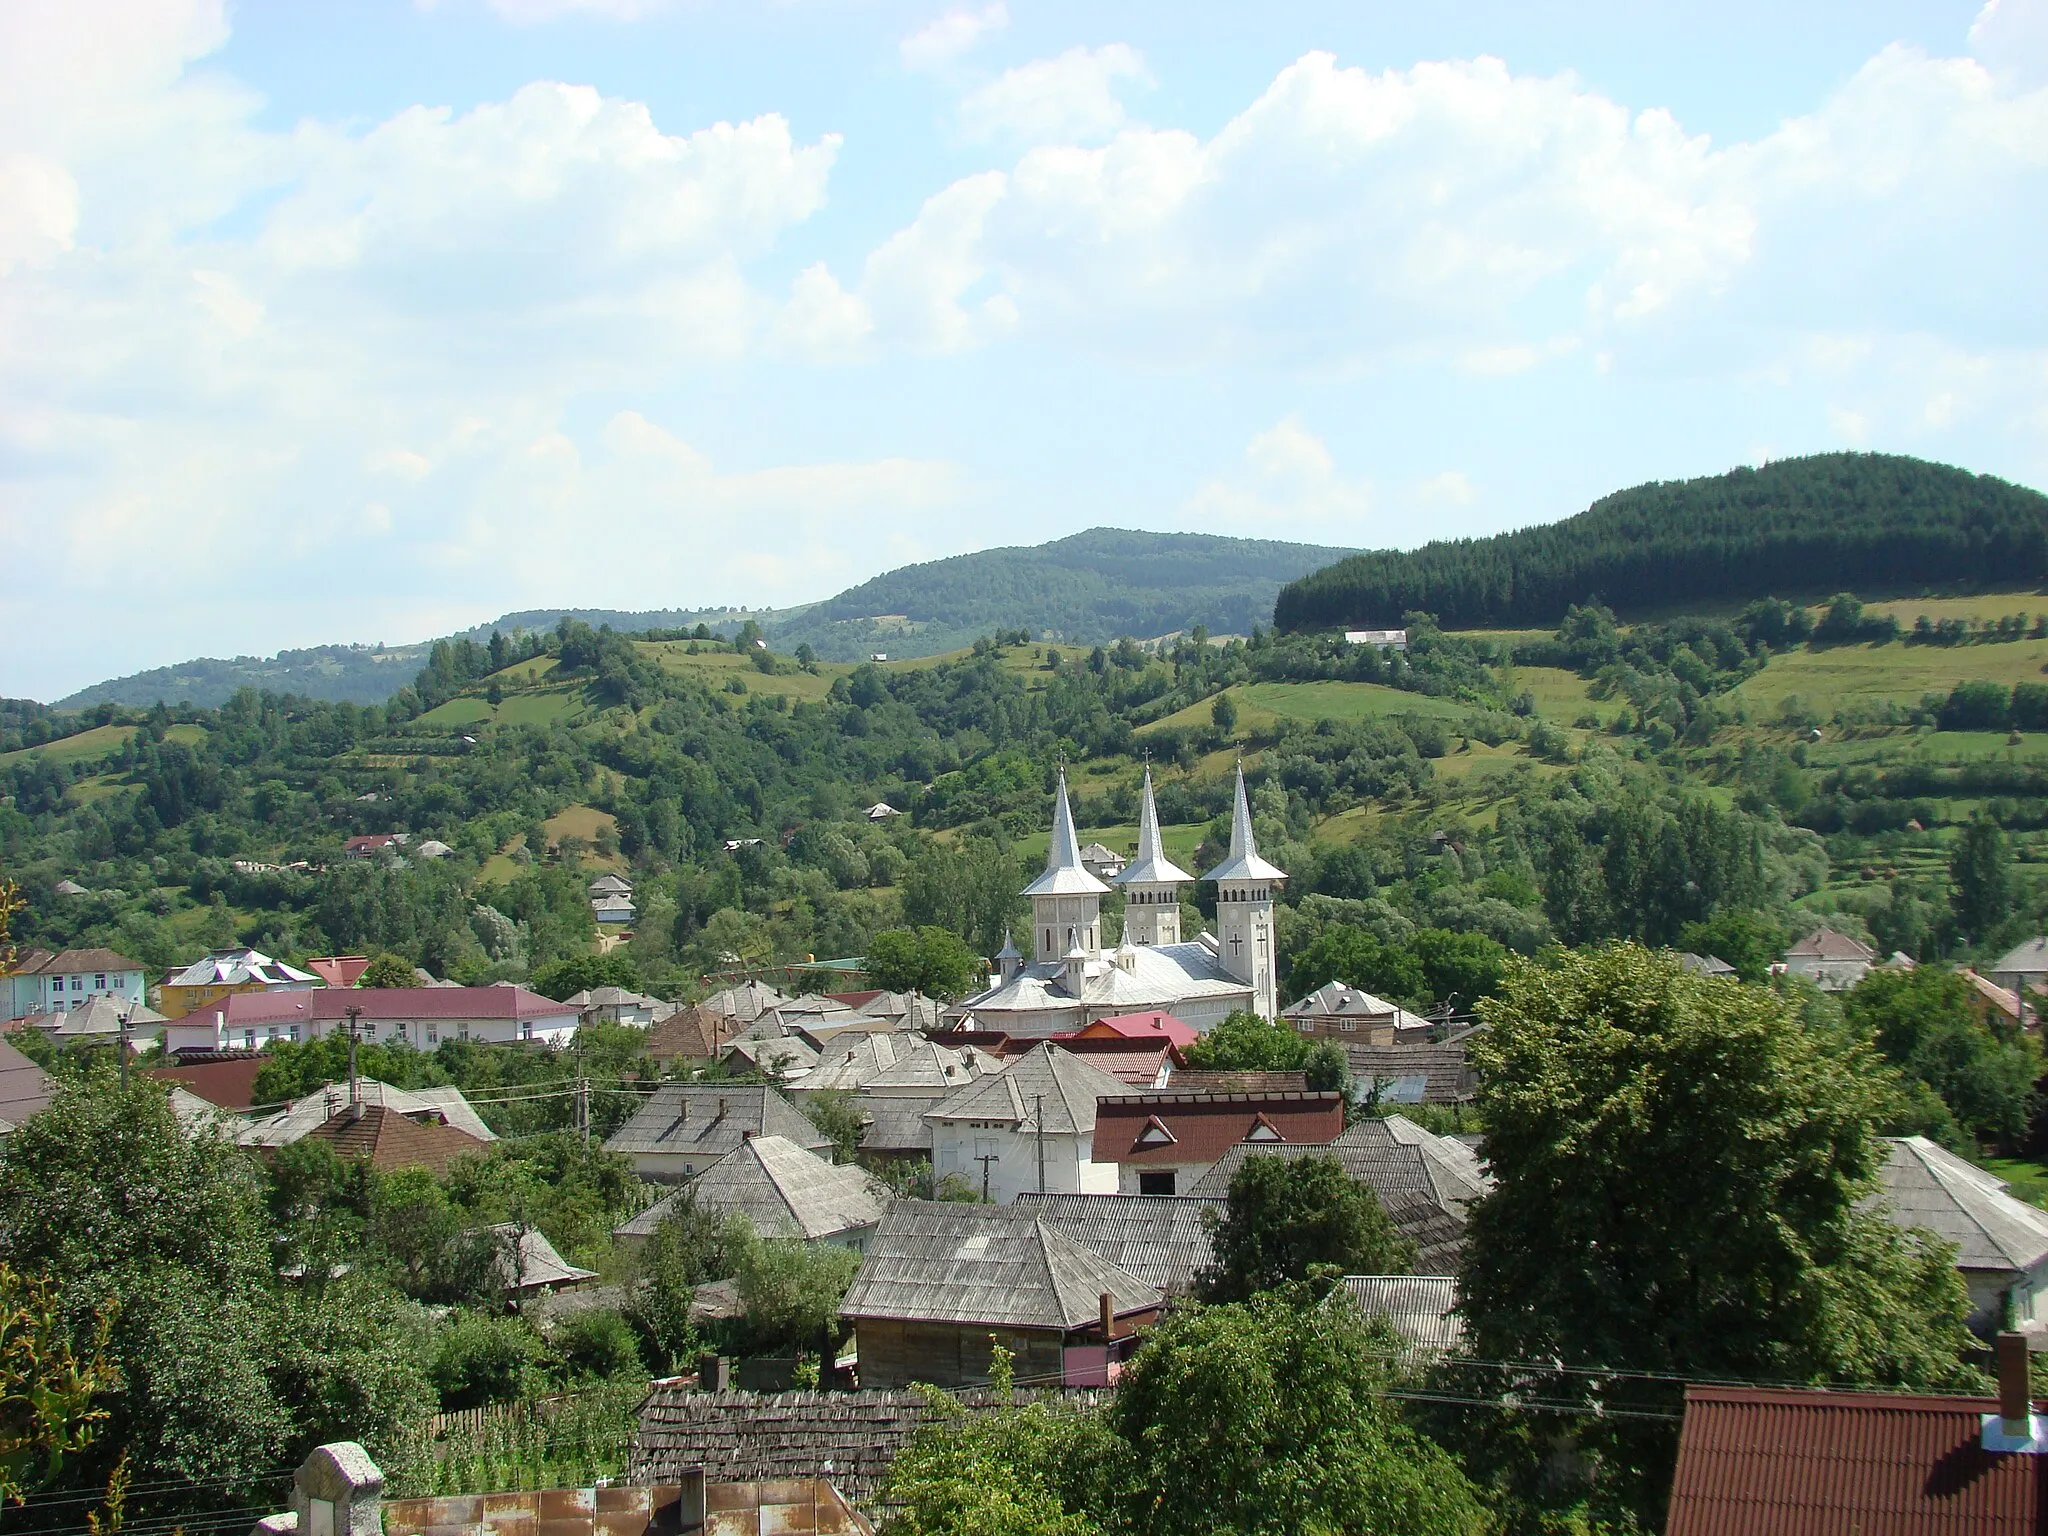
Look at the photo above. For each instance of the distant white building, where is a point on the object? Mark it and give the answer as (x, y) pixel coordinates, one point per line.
(1385, 639)
(881, 810)
(1832, 961)
(1030, 1126)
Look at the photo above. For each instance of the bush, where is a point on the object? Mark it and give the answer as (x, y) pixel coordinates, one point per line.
(484, 1359)
(597, 1343)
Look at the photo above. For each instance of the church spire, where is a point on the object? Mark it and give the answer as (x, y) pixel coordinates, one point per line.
(1151, 882)
(1151, 866)
(1065, 874)
(1243, 861)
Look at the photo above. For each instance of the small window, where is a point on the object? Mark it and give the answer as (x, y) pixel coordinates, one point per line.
(1155, 1181)
(433, 1035)
(1349, 1026)
(78, 983)
(99, 983)
(248, 1039)
(294, 1034)
(1306, 1026)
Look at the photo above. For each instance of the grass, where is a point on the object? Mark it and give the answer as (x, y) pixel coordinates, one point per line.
(1987, 605)
(716, 667)
(1844, 676)
(1180, 842)
(1560, 695)
(585, 822)
(539, 706)
(1262, 704)
(2027, 1178)
(85, 747)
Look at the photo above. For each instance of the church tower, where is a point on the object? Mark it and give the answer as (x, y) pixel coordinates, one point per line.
(1151, 882)
(1066, 901)
(1246, 886)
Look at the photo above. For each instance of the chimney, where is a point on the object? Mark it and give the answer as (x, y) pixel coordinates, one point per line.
(2014, 1393)
(1108, 1317)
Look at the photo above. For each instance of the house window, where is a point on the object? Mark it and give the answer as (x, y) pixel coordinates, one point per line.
(295, 1034)
(248, 1039)
(1155, 1181)
(78, 983)
(1349, 1026)
(433, 1035)
(1306, 1027)
(99, 983)
(526, 1031)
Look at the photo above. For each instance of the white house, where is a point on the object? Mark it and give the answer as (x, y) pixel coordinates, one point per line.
(2023, 969)
(2001, 1243)
(1030, 1126)
(421, 1017)
(1385, 639)
(47, 983)
(1833, 961)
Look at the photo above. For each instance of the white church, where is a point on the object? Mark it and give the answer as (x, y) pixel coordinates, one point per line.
(1071, 980)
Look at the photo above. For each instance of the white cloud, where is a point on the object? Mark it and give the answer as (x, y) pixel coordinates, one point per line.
(1289, 484)
(526, 13)
(1448, 488)
(1068, 99)
(942, 42)
(2011, 37)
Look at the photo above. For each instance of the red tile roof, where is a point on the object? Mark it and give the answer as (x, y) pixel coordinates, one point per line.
(229, 1082)
(1136, 1062)
(1201, 1127)
(1789, 1463)
(390, 1141)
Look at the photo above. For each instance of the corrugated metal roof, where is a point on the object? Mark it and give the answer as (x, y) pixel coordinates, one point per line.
(994, 1265)
(1162, 1239)
(1788, 1463)
(1422, 1308)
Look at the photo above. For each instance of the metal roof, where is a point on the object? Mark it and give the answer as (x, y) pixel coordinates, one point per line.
(1164, 1240)
(1422, 1308)
(1411, 1074)
(1242, 862)
(1826, 944)
(68, 962)
(1151, 866)
(1925, 1186)
(709, 1120)
(1065, 875)
(1755, 1461)
(1001, 1266)
(2030, 956)
(533, 1264)
(306, 1115)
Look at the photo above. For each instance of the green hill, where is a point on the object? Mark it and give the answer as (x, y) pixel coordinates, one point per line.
(341, 674)
(1871, 523)
(1089, 587)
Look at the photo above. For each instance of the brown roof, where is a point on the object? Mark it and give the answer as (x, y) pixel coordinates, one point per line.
(1826, 944)
(1796, 1463)
(1413, 1074)
(1203, 1080)
(68, 961)
(390, 1141)
(693, 1033)
(1201, 1127)
(228, 1081)
(1136, 1062)
(24, 1090)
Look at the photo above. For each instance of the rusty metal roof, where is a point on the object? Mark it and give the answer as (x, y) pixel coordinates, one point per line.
(1753, 1460)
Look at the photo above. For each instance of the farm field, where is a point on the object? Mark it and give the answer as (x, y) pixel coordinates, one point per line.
(1261, 704)
(1845, 676)
(718, 667)
(90, 746)
(541, 706)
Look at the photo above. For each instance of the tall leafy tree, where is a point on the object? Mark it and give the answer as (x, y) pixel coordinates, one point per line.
(1980, 872)
(1288, 1216)
(1678, 1167)
(1244, 1042)
(1932, 1026)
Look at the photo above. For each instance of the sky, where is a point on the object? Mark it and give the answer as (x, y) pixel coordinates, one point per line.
(366, 320)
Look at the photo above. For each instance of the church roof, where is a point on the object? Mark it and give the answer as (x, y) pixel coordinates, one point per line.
(1151, 866)
(1159, 976)
(1243, 861)
(1064, 875)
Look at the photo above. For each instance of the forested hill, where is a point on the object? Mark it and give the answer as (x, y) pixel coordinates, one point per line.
(1870, 523)
(1094, 586)
(1091, 586)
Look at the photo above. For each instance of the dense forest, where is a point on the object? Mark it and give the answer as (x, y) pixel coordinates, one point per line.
(1869, 523)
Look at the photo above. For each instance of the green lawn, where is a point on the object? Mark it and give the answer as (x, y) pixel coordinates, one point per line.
(1261, 704)
(2027, 1178)
(541, 706)
(85, 747)
(1844, 676)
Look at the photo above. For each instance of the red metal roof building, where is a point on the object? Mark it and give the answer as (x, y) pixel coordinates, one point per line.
(1148, 1027)
(227, 1080)
(339, 970)
(419, 1016)
(1758, 1461)
(1162, 1143)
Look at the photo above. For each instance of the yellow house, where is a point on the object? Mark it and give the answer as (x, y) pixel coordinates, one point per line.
(227, 971)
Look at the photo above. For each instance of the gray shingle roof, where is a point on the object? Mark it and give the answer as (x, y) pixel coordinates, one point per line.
(2030, 956)
(1067, 1084)
(1001, 1266)
(783, 1189)
(534, 1265)
(1925, 1186)
(848, 1438)
(710, 1120)
(1422, 1309)
(1164, 1240)
(24, 1090)
(896, 1123)
(1409, 1074)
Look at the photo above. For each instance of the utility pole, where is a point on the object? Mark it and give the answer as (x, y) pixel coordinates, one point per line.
(354, 1012)
(1039, 1115)
(985, 1159)
(124, 1050)
(583, 1107)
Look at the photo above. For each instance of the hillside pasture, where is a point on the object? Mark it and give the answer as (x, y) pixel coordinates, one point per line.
(1265, 704)
(716, 668)
(1843, 677)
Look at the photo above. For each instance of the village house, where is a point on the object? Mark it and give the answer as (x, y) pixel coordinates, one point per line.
(683, 1128)
(101, 1020)
(1150, 1027)
(1029, 1126)
(24, 1089)
(339, 970)
(1413, 1072)
(1707, 965)
(1138, 1064)
(444, 1105)
(527, 1264)
(227, 973)
(783, 1058)
(421, 1017)
(1832, 961)
(902, 1061)
(57, 983)
(2023, 968)
(942, 1282)
(691, 1034)
(1385, 639)
(2001, 1242)
(616, 1005)
(1165, 1240)
(1335, 1011)
(1104, 863)
(389, 1141)
(785, 1190)
(1422, 1308)
(372, 844)
(1997, 1007)
(1163, 1143)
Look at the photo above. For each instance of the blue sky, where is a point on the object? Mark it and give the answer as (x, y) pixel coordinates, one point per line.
(364, 321)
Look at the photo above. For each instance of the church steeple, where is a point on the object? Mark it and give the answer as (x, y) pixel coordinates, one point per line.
(1151, 881)
(1245, 889)
(1066, 901)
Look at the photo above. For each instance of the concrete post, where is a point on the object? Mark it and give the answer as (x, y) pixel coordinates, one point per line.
(339, 1491)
